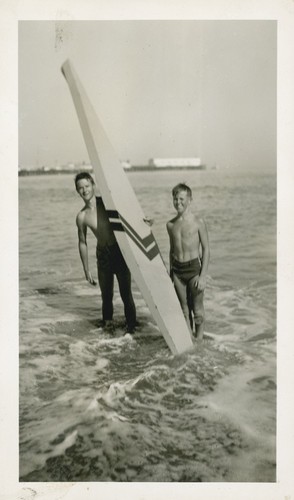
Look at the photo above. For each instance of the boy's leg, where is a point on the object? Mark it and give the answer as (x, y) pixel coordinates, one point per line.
(181, 291)
(190, 305)
(198, 310)
(123, 275)
(124, 283)
(106, 281)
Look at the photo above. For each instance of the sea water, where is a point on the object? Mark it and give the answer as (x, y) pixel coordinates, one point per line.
(100, 407)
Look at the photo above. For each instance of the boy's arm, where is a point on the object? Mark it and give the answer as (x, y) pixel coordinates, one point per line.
(83, 247)
(203, 236)
(171, 247)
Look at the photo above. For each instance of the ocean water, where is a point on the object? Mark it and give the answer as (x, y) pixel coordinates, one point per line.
(96, 407)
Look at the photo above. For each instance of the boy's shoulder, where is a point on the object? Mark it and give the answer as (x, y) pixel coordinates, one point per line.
(171, 221)
(81, 215)
(199, 220)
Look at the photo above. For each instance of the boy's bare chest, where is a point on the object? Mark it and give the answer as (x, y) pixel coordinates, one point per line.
(185, 229)
(91, 219)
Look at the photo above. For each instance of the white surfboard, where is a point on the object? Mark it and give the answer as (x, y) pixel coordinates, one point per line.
(133, 235)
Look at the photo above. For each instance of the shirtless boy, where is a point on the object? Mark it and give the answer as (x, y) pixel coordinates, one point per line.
(110, 260)
(189, 258)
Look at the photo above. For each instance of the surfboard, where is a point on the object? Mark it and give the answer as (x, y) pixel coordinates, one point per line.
(134, 236)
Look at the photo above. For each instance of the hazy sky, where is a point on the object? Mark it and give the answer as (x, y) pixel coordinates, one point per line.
(160, 88)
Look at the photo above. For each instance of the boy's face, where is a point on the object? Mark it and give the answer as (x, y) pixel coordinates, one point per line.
(85, 188)
(181, 201)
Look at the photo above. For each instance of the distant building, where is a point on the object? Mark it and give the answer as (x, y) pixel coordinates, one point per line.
(175, 162)
(69, 166)
(126, 164)
(87, 167)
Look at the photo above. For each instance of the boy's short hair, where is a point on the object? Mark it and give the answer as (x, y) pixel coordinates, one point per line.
(83, 175)
(182, 187)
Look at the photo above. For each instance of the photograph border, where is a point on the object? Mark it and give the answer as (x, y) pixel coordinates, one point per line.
(63, 10)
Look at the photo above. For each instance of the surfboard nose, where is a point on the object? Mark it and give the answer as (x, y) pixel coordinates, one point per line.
(67, 65)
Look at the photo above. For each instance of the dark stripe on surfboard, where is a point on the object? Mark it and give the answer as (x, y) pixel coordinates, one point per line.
(146, 242)
(112, 214)
(117, 226)
(120, 224)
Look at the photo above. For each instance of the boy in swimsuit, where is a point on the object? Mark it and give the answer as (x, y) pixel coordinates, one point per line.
(189, 258)
(110, 260)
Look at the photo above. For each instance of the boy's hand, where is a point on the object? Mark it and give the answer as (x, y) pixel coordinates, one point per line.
(89, 278)
(200, 283)
(148, 221)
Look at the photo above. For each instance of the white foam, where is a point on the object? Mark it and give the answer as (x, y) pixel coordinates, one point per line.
(101, 363)
(67, 443)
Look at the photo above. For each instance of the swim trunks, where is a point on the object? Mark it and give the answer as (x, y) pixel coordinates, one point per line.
(185, 271)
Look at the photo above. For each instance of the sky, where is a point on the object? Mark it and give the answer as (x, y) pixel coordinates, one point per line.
(161, 89)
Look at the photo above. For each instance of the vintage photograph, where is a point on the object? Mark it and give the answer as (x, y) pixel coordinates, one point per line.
(147, 184)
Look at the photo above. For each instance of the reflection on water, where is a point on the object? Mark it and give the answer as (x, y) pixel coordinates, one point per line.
(96, 407)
